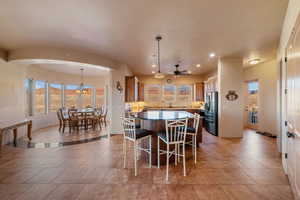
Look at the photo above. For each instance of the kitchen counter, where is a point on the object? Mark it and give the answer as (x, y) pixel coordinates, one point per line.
(163, 115)
(171, 108)
(200, 111)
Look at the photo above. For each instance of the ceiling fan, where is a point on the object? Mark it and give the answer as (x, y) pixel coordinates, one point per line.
(178, 72)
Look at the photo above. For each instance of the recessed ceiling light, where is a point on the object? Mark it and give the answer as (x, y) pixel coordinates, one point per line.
(153, 65)
(189, 71)
(153, 72)
(254, 61)
(212, 55)
(198, 65)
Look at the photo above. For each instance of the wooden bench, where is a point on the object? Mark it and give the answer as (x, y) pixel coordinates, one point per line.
(14, 125)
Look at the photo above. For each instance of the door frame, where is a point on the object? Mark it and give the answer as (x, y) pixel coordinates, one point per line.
(283, 107)
(257, 126)
(283, 110)
(292, 175)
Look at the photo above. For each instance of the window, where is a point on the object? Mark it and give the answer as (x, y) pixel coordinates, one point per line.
(54, 94)
(71, 96)
(87, 98)
(252, 87)
(184, 94)
(169, 93)
(40, 93)
(100, 97)
(28, 97)
(153, 93)
(42, 97)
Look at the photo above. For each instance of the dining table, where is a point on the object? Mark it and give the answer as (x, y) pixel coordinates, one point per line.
(86, 110)
(154, 121)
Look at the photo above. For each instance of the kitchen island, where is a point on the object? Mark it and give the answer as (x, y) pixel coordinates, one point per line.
(154, 121)
(192, 110)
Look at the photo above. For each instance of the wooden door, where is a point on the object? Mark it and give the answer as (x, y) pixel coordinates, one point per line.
(293, 110)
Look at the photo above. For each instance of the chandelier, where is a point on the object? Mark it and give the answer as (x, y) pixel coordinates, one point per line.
(81, 89)
(158, 75)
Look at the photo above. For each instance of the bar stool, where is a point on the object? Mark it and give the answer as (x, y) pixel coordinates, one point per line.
(103, 116)
(131, 133)
(192, 131)
(98, 113)
(175, 134)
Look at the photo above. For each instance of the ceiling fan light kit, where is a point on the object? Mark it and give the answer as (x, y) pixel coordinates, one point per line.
(159, 74)
(177, 72)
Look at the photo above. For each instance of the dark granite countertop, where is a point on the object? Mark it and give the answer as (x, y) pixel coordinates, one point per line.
(163, 115)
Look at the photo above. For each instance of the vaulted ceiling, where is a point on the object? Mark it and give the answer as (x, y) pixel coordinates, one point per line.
(124, 31)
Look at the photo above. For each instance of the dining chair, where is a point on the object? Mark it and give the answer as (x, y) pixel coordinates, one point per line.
(98, 113)
(135, 135)
(59, 119)
(63, 112)
(103, 116)
(175, 134)
(90, 120)
(192, 131)
(75, 118)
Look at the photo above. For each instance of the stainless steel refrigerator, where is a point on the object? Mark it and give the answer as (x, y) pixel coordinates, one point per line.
(211, 113)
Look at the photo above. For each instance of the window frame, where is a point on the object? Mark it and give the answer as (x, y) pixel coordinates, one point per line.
(191, 92)
(34, 99)
(30, 98)
(49, 96)
(104, 95)
(78, 100)
(251, 91)
(163, 93)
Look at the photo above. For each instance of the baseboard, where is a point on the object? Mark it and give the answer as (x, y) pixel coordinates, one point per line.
(266, 134)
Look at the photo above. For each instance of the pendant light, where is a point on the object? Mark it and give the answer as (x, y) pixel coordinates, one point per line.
(82, 90)
(158, 75)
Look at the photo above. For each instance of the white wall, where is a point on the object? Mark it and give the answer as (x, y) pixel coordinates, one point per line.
(288, 25)
(210, 74)
(12, 101)
(37, 73)
(59, 55)
(230, 77)
(266, 73)
(116, 99)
